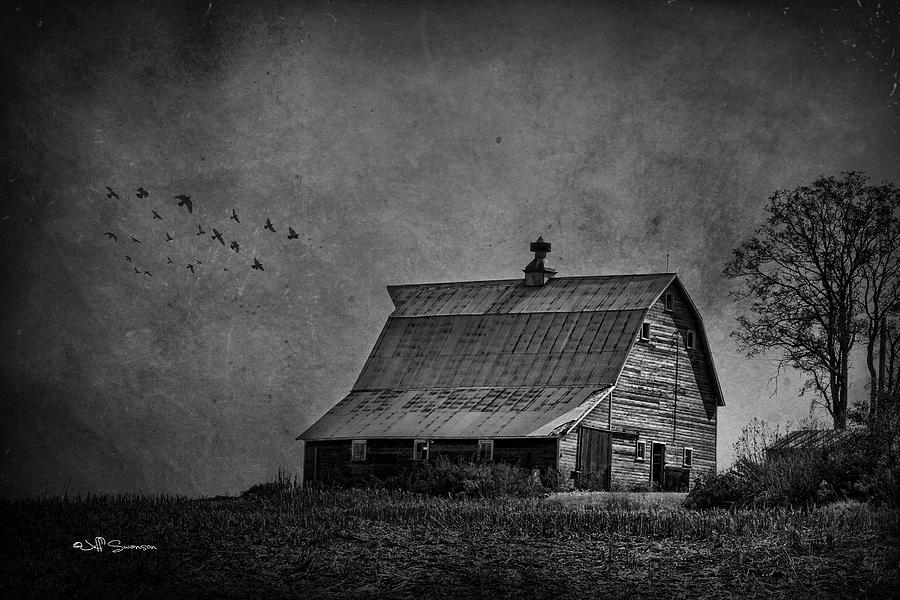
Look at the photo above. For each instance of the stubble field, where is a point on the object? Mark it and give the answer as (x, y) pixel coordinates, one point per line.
(379, 544)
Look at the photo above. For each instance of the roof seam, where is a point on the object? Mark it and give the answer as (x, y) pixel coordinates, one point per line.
(524, 312)
(485, 387)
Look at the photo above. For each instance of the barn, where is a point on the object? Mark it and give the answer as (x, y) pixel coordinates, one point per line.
(606, 378)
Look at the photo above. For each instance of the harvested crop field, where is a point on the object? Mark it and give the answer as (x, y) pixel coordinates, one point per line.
(375, 544)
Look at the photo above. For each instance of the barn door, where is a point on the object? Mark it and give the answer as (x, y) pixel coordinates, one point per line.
(594, 454)
(657, 462)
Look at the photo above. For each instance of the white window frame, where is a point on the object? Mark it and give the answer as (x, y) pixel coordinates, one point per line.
(669, 302)
(424, 454)
(690, 339)
(488, 454)
(640, 450)
(648, 327)
(358, 451)
(686, 462)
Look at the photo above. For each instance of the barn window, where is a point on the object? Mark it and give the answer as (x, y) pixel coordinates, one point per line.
(688, 458)
(645, 330)
(486, 450)
(689, 339)
(420, 450)
(640, 450)
(670, 302)
(358, 451)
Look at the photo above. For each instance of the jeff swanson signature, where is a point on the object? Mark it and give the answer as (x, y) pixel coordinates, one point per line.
(115, 545)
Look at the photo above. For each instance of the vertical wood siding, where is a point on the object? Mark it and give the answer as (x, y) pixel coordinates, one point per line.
(644, 403)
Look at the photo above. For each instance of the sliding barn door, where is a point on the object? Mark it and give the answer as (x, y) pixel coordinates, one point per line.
(594, 455)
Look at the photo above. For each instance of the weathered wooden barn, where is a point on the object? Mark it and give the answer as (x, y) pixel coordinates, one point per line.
(608, 377)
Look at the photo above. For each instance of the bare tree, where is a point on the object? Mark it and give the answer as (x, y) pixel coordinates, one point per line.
(881, 297)
(808, 275)
(884, 403)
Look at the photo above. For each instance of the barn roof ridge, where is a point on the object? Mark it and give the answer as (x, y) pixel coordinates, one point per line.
(518, 280)
(558, 295)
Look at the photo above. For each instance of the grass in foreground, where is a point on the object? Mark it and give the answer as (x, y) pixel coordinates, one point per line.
(374, 544)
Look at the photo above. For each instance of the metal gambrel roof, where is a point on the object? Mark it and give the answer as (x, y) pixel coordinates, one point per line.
(457, 413)
(501, 350)
(560, 294)
(497, 358)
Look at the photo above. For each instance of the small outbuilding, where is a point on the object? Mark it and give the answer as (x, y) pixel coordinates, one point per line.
(807, 441)
(608, 377)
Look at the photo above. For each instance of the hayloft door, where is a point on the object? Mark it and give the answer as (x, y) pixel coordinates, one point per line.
(657, 462)
(594, 455)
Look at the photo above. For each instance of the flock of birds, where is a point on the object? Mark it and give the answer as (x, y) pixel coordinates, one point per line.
(184, 200)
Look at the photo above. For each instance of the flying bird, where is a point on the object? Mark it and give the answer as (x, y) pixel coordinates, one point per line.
(169, 260)
(111, 194)
(141, 193)
(156, 214)
(185, 201)
(257, 265)
(191, 267)
(224, 268)
(135, 240)
(234, 216)
(235, 246)
(128, 258)
(269, 226)
(112, 236)
(292, 235)
(136, 272)
(217, 236)
(169, 238)
(199, 262)
(147, 273)
(200, 230)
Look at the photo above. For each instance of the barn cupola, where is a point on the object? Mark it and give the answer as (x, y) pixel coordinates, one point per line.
(537, 272)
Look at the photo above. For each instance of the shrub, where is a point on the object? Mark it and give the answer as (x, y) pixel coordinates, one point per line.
(474, 480)
(642, 487)
(718, 490)
(591, 482)
(553, 480)
(855, 468)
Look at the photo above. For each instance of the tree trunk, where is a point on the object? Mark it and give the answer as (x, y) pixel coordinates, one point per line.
(882, 347)
(874, 378)
(839, 410)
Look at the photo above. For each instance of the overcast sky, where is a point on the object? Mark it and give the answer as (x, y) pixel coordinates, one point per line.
(403, 143)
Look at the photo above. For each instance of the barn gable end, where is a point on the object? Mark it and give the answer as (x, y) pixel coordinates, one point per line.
(646, 404)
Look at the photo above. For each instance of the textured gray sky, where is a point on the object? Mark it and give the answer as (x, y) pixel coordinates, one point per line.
(404, 143)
